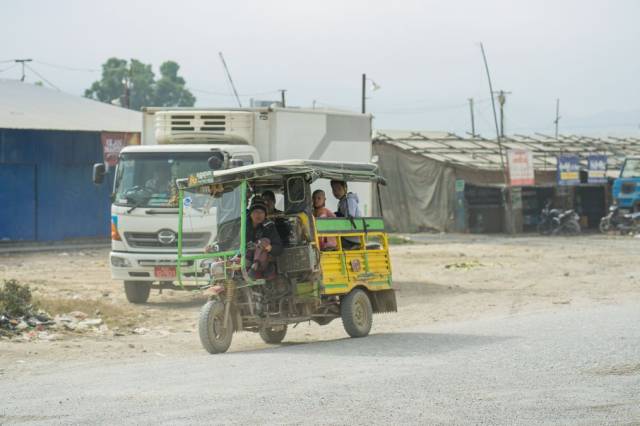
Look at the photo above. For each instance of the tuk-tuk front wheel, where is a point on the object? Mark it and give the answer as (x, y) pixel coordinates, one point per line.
(273, 335)
(214, 336)
(356, 313)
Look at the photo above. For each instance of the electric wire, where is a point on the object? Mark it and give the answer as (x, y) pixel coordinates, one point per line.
(30, 68)
(65, 67)
(8, 68)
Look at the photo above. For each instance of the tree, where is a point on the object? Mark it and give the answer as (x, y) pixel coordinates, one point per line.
(132, 84)
(170, 90)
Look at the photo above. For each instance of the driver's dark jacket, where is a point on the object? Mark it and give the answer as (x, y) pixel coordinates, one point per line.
(266, 229)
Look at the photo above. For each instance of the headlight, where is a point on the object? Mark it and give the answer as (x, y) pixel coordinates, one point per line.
(120, 262)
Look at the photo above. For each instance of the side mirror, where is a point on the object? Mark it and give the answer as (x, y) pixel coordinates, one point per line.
(235, 162)
(217, 161)
(98, 173)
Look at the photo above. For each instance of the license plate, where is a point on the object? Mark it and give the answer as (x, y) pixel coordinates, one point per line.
(165, 271)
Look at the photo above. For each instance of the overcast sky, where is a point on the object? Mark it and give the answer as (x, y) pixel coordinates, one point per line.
(425, 55)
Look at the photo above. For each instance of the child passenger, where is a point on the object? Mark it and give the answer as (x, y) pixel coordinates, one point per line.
(320, 211)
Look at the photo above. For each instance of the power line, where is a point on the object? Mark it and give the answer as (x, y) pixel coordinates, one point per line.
(423, 110)
(42, 77)
(8, 68)
(68, 68)
(208, 92)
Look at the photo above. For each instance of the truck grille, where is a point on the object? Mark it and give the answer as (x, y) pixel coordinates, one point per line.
(150, 240)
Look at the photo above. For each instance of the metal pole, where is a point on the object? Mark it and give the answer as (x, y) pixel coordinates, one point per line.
(22, 62)
(127, 94)
(557, 116)
(364, 93)
(501, 99)
(283, 100)
(498, 136)
(473, 123)
(233, 86)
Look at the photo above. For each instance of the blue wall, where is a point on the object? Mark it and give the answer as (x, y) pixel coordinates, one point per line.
(46, 193)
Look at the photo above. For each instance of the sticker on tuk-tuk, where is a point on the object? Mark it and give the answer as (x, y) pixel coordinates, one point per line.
(187, 201)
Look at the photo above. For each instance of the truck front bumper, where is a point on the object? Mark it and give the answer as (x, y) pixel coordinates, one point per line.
(128, 266)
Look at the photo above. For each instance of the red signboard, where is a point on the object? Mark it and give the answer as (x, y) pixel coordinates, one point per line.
(112, 144)
(520, 164)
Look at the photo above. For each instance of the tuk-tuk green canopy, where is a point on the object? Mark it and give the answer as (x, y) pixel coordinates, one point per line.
(274, 173)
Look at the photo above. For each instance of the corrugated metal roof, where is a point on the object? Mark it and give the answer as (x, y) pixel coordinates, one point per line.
(27, 106)
(480, 153)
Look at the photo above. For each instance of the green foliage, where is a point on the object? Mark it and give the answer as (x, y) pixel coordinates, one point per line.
(169, 90)
(15, 299)
(143, 89)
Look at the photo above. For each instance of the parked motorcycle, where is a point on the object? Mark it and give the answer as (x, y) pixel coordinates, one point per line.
(557, 222)
(625, 223)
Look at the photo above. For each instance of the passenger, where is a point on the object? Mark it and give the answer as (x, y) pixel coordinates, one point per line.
(320, 211)
(263, 242)
(347, 207)
(270, 200)
(347, 201)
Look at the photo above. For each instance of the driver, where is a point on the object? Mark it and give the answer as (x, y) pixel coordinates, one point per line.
(160, 180)
(270, 200)
(263, 241)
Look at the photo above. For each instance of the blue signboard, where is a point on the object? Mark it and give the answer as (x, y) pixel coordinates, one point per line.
(597, 169)
(568, 170)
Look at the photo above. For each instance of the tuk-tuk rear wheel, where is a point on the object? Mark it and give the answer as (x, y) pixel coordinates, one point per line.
(356, 313)
(269, 335)
(215, 338)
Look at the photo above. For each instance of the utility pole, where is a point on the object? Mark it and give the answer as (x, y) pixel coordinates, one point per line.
(282, 98)
(22, 62)
(502, 99)
(233, 86)
(364, 93)
(127, 88)
(557, 120)
(473, 121)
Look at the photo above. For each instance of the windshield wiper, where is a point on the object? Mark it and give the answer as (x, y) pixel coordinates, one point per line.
(135, 205)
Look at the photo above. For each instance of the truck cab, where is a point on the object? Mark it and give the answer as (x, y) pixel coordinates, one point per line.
(144, 212)
(626, 189)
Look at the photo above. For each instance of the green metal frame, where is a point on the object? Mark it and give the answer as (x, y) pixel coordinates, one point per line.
(224, 254)
(341, 225)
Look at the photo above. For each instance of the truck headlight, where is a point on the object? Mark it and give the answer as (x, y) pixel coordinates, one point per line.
(120, 262)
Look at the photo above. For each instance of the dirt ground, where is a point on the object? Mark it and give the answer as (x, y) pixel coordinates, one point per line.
(439, 278)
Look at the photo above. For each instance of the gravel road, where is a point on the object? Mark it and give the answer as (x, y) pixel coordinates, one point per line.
(577, 365)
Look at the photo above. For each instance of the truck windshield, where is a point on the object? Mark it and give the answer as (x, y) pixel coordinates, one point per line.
(148, 180)
(225, 208)
(631, 168)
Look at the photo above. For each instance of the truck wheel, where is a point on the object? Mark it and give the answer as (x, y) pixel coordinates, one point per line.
(214, 337)
(356, 313)
(137, 291)
(273, 336)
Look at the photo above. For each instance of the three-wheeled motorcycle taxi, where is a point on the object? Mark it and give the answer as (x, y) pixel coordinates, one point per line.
(312, 282)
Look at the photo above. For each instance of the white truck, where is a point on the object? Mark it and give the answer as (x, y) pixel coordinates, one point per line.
(177, 142)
